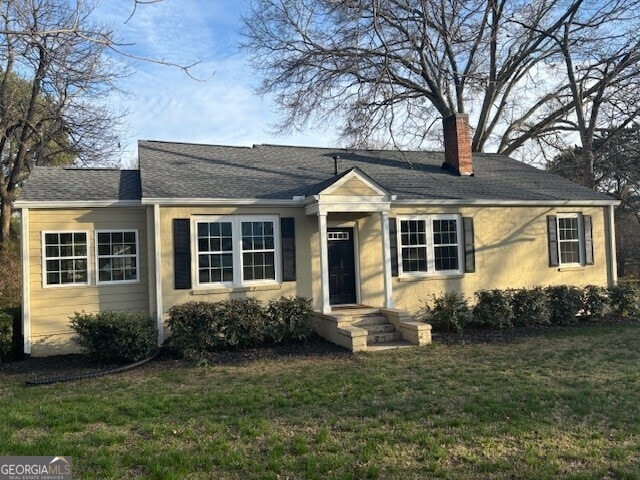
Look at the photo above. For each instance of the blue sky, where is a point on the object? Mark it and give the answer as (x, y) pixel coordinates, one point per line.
(163, 103)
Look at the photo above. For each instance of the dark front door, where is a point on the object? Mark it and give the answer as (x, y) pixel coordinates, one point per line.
(342, 267)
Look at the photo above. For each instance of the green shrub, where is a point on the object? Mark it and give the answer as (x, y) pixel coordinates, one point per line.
(201, 327)
(196, 328)
(448, 313)
(565, 302)
(493, 309)
(243, 322)
(595, 302)
(6, 335)
(115, 337)
(624, 300)
(530, 307)
(288, 319)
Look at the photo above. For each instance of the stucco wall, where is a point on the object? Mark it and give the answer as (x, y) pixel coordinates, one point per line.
(50, 307)
(511, 252)
(171, 296)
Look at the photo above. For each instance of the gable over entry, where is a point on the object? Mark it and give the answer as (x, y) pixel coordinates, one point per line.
(352, 191)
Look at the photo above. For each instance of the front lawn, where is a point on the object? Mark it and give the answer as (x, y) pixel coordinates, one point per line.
(559, 404)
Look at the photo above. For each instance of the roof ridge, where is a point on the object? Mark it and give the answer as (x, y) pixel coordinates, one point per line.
(197, 144)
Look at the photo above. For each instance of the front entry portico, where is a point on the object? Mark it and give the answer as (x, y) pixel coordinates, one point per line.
(355, 193)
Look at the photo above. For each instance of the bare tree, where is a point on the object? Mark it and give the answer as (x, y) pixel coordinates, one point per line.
(54, 76)
(397, 66)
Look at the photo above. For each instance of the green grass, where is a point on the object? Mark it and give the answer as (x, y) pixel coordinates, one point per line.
(561, 405)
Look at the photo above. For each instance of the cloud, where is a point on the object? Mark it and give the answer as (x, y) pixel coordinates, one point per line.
(163, 103)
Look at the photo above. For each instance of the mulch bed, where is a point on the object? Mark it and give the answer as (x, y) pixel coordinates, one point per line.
(315, 347)
(76, 364)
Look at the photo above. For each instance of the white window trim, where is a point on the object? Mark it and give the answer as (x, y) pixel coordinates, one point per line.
(431, 270)
(236, 229)
(45, 258)
(581, 245)
(98, 256)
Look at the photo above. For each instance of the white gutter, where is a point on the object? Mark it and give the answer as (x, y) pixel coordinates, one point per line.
(612, 247)
(158, 268)
(222, 201)
(76, 203)
(507, 203)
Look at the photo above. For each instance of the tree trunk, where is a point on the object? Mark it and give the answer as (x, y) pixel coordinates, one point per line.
(5, 223)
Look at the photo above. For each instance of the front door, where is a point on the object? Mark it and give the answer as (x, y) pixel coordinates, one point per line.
(342, 267)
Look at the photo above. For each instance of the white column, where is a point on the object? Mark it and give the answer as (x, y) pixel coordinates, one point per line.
(612, 247)
(26, 287)
(158, 264)
(386, 260)
(324, 261)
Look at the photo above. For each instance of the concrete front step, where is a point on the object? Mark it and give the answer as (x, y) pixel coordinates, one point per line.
(364, 321)
(389, 346)
(387, 337)
(379, 328)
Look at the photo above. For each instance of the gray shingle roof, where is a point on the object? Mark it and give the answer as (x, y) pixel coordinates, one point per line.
(190, 171)
(81, 184)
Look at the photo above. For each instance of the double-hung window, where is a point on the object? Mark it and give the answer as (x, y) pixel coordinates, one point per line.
(569, 239)
(236, 250)
(65, 258)
(430, 244)
(117, 256)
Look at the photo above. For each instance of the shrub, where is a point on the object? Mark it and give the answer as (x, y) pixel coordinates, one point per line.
(595, 302)
(449, 312)
(493, 309)
(565, 302)
(201, 327)
(530, 307)
(6, 334)
(115, 337)
(624, 300)
(288, 319)
(196, 327)
(243, 321)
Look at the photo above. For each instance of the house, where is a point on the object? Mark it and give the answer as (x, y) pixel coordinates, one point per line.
(368, 235)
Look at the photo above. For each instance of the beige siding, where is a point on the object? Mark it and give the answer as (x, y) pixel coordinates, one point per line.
(52, 306)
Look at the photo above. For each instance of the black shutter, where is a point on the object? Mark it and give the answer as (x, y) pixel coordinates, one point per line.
(469, 246)
(393, 246)
(288, 235)
(182, 253)
(552, 233)
(588, 240)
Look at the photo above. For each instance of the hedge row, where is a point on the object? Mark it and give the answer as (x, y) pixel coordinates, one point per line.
(554, 305)
(201, 327)
(6, 335)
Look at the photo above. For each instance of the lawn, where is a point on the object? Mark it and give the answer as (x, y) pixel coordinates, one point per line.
(559, 404)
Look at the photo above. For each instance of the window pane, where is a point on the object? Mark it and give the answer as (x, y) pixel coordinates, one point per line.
(66, 238)
(203, 229)
(569, 252)
(104, 276)
(52, 251)
(226, 229)
(446, 258)
(53, 278)
(51, 238)
(130, 237)
(104, 238)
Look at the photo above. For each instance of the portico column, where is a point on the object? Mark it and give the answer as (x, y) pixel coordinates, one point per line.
(386, 260)
(324, 261)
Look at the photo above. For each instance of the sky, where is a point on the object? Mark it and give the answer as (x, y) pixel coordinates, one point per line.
(163, 103)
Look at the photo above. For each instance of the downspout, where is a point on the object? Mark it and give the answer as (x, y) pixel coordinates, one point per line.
(158, 271)
(26, 288)
(613, 261)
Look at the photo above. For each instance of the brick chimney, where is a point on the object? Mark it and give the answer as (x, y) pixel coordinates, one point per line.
(457, 144)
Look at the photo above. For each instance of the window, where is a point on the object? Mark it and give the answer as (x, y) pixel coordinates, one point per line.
(117, 256)
(430, 244)
(235, 250)
(569, 239)
(65, 258)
